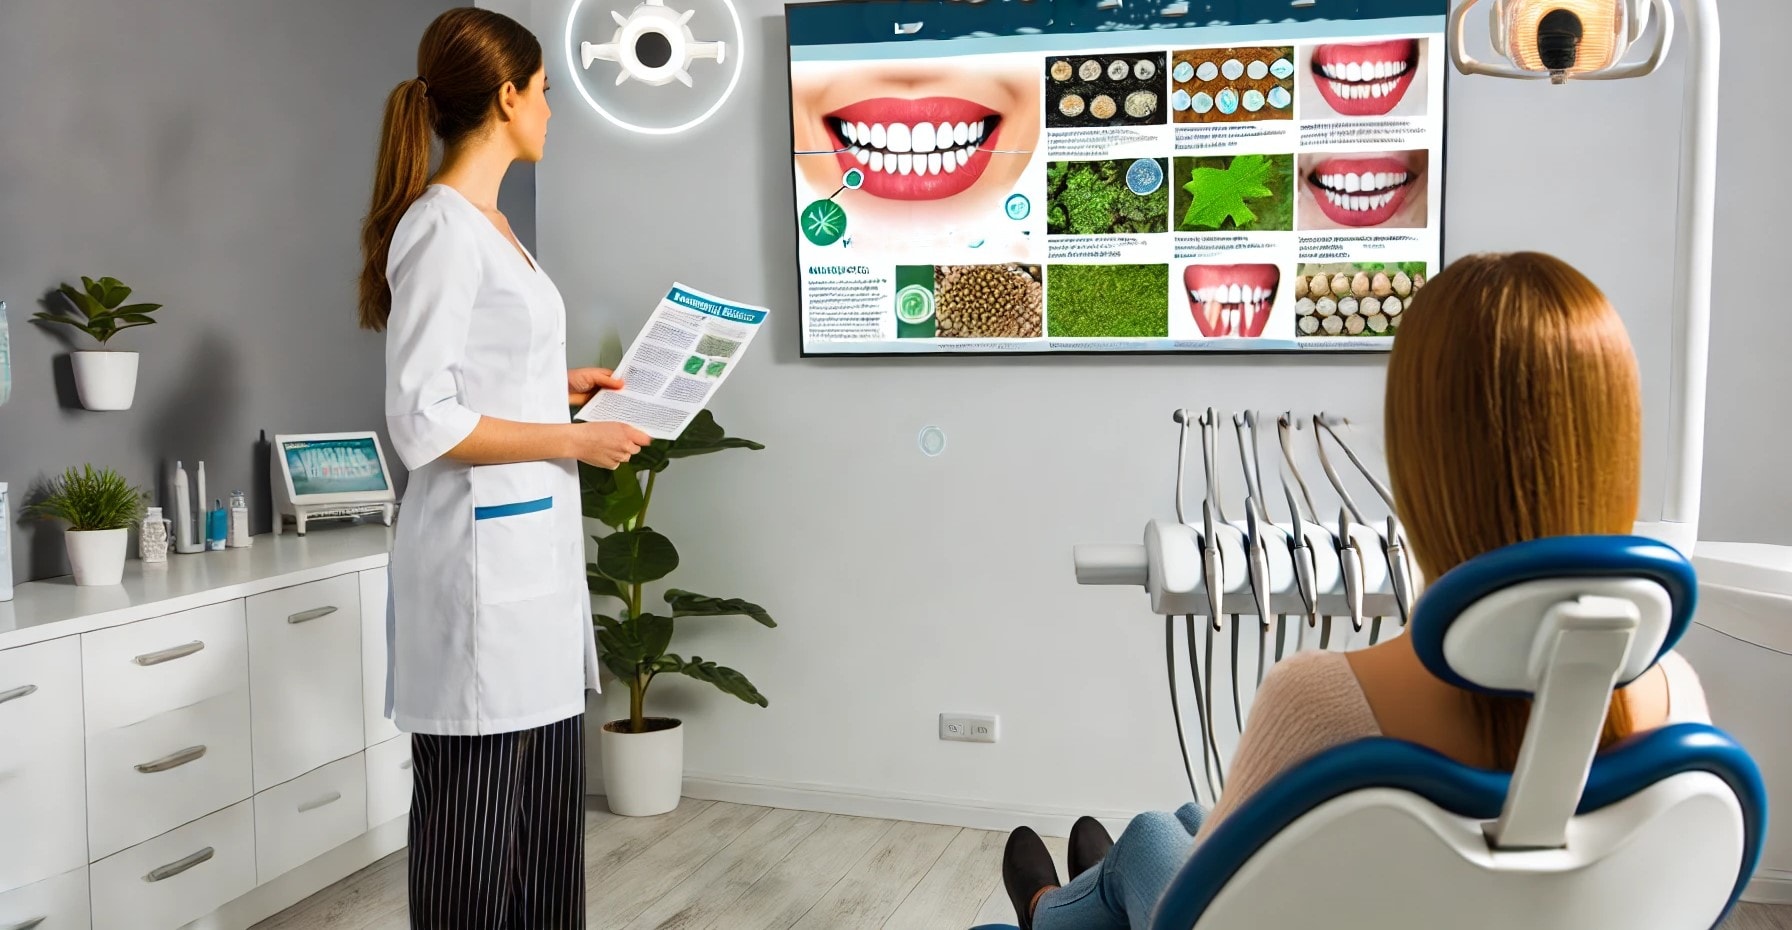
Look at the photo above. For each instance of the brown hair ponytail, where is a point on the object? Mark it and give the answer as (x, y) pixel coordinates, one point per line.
(466, 57)
(1514, 412)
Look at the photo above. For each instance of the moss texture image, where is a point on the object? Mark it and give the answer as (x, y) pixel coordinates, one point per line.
(1091, 198)
(1107, 300)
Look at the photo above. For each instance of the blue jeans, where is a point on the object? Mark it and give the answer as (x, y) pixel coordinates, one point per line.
(1120, 892)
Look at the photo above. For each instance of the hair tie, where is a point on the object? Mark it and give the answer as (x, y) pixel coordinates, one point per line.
(425, 84)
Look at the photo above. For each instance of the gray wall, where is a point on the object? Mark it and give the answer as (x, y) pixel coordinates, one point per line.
(909, 586)
(216, 155)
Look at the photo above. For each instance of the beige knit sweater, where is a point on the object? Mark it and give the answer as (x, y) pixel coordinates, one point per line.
(1311, 702)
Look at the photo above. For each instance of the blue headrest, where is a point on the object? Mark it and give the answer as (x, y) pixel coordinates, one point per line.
(1543, 560)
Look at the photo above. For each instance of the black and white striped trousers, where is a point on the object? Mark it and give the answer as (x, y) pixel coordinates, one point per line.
(497, 830)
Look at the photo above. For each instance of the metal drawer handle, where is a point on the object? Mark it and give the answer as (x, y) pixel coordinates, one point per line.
(27, 925)
(15, 694)
(306, 616)
(175, 868)
(324, 801)
(189, 754)
(169, 655)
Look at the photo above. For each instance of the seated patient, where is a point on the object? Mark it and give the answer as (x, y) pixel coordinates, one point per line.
(1513, 413)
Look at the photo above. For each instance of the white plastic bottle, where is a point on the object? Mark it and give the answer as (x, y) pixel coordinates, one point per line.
(239, 521)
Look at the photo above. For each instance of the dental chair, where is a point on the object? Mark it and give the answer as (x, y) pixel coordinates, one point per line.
(1660, 832)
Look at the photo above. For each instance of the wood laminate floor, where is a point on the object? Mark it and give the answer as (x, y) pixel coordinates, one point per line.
(710, 864)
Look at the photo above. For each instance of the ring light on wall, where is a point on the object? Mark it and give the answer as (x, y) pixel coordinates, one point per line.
(650, 47)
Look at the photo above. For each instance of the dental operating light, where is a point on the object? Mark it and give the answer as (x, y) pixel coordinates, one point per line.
(1569, 40)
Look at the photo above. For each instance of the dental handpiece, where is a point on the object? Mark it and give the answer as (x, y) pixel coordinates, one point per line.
(1176, 705)
(1209, 746)
(1352, 561)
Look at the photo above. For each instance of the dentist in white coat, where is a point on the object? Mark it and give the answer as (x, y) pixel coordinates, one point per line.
(492, 647)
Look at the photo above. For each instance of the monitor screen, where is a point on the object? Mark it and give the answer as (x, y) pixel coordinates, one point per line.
(334, 466)
(1096, 176)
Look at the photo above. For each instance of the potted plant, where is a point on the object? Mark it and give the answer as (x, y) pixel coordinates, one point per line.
(100, 507)
(104, 379)
(643, 756)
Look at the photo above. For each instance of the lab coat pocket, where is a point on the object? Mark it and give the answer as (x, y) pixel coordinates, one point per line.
(516, 532)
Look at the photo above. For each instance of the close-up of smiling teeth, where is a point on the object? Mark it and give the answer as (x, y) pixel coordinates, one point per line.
(1363, 80)
(1362, 192)
(922, 149)
(1230, 294)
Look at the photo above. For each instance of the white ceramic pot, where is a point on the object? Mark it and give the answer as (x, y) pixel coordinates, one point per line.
(97, 556)
(643, 772)
(106, 380)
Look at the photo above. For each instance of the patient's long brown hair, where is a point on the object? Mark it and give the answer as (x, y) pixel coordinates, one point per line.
(1513, 413)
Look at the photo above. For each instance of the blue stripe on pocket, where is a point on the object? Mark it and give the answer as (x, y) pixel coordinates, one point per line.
(512, 510)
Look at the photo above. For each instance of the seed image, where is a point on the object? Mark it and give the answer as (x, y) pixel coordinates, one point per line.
(1253, 100)
(1362, 298)
(1117, 71)
(1061, 71)
(1070, 105)
(1183, 72)
(1242, 83)
(1257, 70)
(1091, 70)
(1232, 69)
(1208, 71)
(988, 301)
(1102, 107)
(1144, 69)
(1140, 104)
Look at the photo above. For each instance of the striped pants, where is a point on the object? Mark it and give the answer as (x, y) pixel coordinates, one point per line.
(497, 830)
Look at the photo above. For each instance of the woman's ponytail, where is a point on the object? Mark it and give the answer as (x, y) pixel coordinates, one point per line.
(398, 181)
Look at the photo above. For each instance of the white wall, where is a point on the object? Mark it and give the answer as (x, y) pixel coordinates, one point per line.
(908, 586)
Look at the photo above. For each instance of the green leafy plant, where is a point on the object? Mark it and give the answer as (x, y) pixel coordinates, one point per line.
(634, 643)
(1113, 301)
(102, 307)
(91, 500)
(1243, 192)
(1090, 198)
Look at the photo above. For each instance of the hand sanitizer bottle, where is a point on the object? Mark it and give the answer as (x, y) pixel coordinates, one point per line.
(239, 521)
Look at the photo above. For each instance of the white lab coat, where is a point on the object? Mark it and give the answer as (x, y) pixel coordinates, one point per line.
(489, 619)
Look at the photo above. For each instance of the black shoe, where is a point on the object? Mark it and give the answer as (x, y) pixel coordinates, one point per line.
(1027, 868)
(1089, 843)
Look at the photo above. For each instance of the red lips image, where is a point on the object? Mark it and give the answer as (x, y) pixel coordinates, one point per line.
(1231, 300)
(1362, 190)
(915, 149)
(1365, 79)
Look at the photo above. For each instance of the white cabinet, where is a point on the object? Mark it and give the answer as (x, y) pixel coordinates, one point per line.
(305, 669)
(42, 806)
(58, 903)
(374, 587)
(309, 816)
(172, 768)
(388, 781)
(179, 876)
(136, 671)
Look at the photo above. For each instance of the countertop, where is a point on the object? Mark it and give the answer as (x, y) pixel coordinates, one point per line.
(56, 607)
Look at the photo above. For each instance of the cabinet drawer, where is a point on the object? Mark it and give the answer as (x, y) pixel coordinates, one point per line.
(305, 674)
(309, 816)
(136, 671)
(43, 804)
(179, 876)
(388, 781)
(374, 588)
(58, 903)
(155, 775)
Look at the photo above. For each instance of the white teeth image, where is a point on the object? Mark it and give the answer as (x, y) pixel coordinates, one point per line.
(1353, 72)
(1337, 88)
(1403, 177)
(964, 155)
(949, 162)
(877, 161)
(898, 138)
(904, 162)
(1235, 294)
(850, 134)
(977, 130)
(1376, 90)
(864, 133)
(877, 135)
(921, 140)
(942, 136)
(861, 155)
(961, 133)
(933, 163)
(1352, 182)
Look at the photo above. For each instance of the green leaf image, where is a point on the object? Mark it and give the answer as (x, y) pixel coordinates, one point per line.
(824, 222)
(1216, 195)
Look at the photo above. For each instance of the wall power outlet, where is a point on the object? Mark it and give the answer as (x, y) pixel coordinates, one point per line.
(969, 728)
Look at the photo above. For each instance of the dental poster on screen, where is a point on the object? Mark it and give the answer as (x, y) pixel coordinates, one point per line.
(1111, 176)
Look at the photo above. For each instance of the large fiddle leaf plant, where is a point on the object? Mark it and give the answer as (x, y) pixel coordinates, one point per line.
(633, 644)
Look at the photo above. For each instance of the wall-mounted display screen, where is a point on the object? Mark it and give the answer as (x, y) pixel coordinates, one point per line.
(1022, 176)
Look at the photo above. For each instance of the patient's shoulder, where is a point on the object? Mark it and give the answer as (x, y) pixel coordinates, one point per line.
(1315, 691)
(1686, 695)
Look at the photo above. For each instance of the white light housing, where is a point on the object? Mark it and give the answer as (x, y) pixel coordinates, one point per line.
(653, 45)
(1564, 39)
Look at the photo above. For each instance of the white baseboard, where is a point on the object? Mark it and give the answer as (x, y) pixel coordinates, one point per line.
(308, 879)
(1769, 886)
(834, 799)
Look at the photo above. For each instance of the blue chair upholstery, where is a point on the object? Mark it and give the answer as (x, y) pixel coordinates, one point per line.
(1631, 790)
